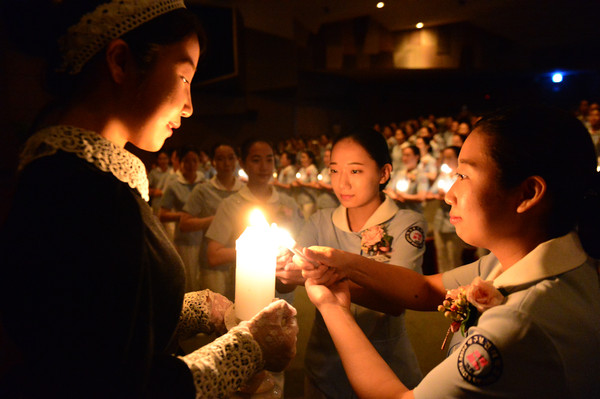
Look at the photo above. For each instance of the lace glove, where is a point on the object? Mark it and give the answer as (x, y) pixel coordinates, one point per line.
(223, 366)
(275, 329)
(202, 312)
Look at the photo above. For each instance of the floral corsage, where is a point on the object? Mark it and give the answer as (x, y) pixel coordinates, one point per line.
(464, 305)
(375, 241)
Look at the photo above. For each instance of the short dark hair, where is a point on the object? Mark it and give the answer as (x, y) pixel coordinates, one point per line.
(531, 141)
(291, 156)
(415, 150)
(184, 150)
(213, 150)
(248, 143)
(311, 155)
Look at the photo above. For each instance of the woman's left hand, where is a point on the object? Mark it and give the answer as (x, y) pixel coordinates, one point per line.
(337, 294)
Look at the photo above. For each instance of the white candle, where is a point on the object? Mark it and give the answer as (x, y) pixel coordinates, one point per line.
(256, 261)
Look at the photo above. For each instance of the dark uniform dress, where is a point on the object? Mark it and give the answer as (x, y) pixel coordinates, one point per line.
(91, 289)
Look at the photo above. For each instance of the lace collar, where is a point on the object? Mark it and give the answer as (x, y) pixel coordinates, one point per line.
(90, 146)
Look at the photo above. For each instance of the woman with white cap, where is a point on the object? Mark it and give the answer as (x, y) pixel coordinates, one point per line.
(92, 291)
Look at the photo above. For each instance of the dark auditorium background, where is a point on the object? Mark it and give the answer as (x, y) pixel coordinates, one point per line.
(285, 68)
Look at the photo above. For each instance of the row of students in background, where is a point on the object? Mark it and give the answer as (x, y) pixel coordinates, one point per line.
(311, 190)
(416, 159)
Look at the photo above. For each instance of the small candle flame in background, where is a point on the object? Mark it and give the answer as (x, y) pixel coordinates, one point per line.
(402, 185)
(242, 174)
(445, 184)
(298, 175)
(319, 177)
(445, 169)
(274, 175)
(446, 180)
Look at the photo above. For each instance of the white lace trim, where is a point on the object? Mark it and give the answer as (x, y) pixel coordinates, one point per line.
(107, 22)
(90, 146)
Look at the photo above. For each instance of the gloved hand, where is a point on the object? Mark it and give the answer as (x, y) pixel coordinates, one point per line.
(275, 329)
(218, 305)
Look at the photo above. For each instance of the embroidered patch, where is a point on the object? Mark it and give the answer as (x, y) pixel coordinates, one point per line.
(415, 236)
(479, 361)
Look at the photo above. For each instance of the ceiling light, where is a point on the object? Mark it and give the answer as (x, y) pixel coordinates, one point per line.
(557, 77)
(381, 4)
(419, 25)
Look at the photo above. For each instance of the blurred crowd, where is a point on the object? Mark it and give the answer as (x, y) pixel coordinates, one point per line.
(424, 153)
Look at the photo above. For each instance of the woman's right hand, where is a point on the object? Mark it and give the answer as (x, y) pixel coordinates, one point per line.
(275, 329)
(333, 264)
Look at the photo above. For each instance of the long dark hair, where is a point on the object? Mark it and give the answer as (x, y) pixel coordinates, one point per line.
(373, 143)
(553, 144)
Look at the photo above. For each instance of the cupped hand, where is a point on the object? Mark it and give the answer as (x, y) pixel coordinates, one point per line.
(287, 272)
(218, 305)
(275, 329)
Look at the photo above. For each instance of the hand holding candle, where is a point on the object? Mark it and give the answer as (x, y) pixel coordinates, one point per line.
(275, 328)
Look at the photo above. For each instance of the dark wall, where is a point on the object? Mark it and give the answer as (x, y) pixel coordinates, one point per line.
(281, 89)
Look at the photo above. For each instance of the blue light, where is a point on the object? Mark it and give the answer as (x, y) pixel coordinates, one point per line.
(557, 77)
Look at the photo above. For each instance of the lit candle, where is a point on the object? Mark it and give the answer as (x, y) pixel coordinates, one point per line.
(445, 180)
(319, 177)
(242, 174)
(256, 261)
(284, 239)
(445, 183)
(402, 185)
(298, 175)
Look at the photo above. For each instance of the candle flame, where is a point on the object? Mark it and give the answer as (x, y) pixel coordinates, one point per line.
(320, 177)
(284, 238)
(445, 168)
(298, 175)
(446, 183)
(257, 219)
(402, 185)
